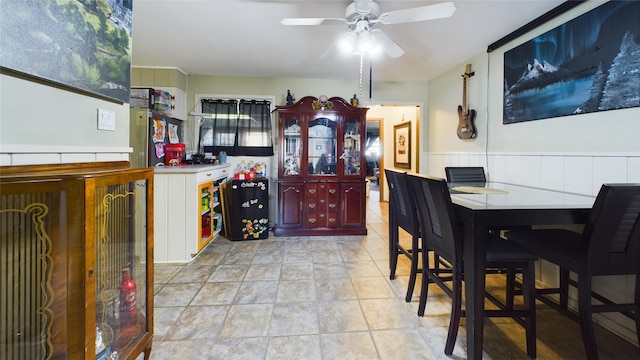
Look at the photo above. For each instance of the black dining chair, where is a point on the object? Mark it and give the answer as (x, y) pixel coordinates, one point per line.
(608, 245)
(443, 233)
(458, 174)
(402, 215)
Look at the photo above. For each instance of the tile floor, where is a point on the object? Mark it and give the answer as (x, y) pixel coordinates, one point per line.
(328, 298)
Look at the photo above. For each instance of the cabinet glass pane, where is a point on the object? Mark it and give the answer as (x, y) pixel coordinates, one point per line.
(351, 147)
(292, 145)
(26, 247)
(121, 274)
(322, 147)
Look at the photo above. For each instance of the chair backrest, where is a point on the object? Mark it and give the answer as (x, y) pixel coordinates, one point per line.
(438, 222)
(465, 174)
(611, 238)
(401, 207)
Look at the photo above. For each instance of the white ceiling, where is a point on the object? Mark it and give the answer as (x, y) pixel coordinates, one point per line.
(245, 38)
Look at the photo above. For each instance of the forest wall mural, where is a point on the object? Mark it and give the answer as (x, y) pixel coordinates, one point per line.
(589, 64)
(84, 44)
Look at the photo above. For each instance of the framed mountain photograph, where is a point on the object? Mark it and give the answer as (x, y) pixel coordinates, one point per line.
(588, 64)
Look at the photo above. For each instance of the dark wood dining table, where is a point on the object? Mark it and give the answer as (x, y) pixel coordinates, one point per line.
(500, 205)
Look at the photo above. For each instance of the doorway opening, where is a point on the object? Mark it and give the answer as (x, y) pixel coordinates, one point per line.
(374, 155)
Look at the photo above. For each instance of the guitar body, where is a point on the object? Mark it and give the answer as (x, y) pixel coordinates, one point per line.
(466, 123)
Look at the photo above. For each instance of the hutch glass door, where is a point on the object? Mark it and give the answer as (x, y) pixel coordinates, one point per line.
(292, 145)
(351, 147)
(322, 138)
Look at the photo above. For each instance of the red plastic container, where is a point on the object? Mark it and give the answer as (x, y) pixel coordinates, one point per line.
(173, 154)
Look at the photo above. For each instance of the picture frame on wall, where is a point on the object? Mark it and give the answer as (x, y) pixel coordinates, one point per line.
(76, 46)
(402, 145)
(585, 65)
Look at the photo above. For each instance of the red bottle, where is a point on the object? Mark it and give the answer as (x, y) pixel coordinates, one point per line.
(127, 299)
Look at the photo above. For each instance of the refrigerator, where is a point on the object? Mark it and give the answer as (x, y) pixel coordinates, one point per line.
(150, 128)
(248, 209)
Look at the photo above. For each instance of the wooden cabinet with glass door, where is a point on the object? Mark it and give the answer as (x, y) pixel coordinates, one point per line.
(321, 183)
(76, 248)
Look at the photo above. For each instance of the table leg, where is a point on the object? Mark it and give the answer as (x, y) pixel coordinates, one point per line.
(475, 238)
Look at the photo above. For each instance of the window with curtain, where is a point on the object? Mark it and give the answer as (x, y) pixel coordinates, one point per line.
(238, 127)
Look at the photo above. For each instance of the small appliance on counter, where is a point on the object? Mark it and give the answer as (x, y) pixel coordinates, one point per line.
(173, 154)
(197, 159)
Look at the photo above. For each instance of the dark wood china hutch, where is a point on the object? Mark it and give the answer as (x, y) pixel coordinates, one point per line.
(321, 168)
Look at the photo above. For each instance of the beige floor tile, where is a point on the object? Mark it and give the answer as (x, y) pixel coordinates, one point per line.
(297, 271)
(341, 316)
(239, 349)
(296, 291)
(401, 344)
(385, 314)
(302, 347)
(335, 289)
(257, 292)
(217, 293)
(176, 294)
(198, 322)
(322, 298)
(348, 346)
(294, 319)
(247, 320)
(372, 288)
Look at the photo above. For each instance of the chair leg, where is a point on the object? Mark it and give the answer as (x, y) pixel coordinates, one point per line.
(415, 253)
(529, 291)
(564, 288)
(456, 310)
(424, 290)
(637, 312)
(586, 318)
(510, 289)
(393, 249)
(436, 264)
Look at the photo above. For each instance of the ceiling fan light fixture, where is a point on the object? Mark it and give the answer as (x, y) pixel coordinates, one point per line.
(347, 43)
(364, 43)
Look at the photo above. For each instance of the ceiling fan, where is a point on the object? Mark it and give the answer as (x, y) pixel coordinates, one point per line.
(361, 16)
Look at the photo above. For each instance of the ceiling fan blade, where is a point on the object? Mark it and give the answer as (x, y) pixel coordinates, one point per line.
(331, 52)
(429, 12)
(312, 21)
(388, 46)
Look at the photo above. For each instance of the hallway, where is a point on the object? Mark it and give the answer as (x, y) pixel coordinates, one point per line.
(328, 298)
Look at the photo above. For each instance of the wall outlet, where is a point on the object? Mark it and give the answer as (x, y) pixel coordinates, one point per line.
(106, 120)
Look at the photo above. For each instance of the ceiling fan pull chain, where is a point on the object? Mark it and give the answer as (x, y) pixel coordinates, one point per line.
(360, 90)
(370, 78)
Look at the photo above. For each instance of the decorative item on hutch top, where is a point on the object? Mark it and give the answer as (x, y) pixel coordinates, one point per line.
(321, 168)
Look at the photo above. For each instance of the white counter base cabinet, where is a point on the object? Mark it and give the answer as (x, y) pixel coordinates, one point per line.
(179, 209)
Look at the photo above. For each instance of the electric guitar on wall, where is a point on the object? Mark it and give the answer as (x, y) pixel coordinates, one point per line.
(466, 116)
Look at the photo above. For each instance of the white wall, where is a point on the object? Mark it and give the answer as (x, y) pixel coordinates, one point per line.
(573, 153)
(576, 153)
(42, 124)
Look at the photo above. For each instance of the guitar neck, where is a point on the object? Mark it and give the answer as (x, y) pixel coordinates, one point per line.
(467, 74)
(464, 94)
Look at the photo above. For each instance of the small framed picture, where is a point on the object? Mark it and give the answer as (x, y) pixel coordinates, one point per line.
(402, 145)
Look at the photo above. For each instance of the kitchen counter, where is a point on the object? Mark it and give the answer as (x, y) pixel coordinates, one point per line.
(188, 169)
(185, 208)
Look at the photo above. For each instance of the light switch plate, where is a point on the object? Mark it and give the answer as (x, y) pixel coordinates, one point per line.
(106, 120)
